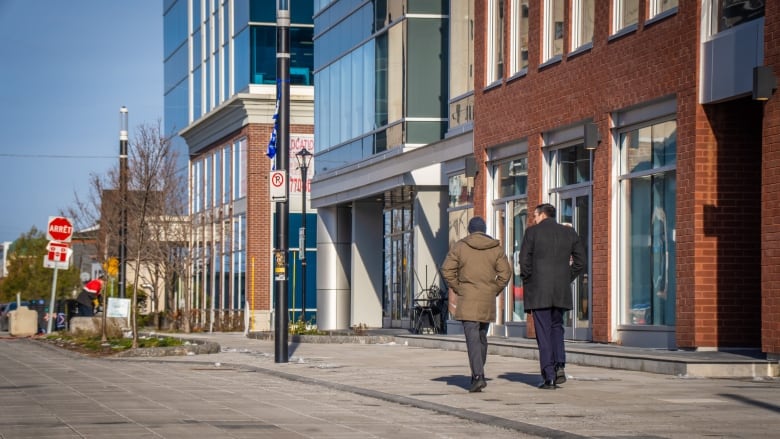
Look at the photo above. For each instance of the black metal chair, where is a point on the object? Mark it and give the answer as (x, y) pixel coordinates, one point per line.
(429, 309)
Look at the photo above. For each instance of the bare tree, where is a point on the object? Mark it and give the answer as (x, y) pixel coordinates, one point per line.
(160, 204)
(157, 225)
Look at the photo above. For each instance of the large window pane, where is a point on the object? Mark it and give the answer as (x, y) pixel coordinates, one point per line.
(626, 13)
(175, 27)
(511, 178)
(380, 92)
(553, 29)
(735, 12)
(263, 59)
(582, 25)
(396, 74)
(519, 43)
(461, 190)
(517, 230)
(495, 65)
(573, 165)
(647, 227)
(241, 61)
(461, 47)
(301, 55)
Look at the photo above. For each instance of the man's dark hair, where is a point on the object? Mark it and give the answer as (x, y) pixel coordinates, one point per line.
(547, 209)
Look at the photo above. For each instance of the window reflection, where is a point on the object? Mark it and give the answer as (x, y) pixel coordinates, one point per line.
(511, 178)
(735, 12)
(461, 190)
(574, 165)
(263, 56)
(647, 203)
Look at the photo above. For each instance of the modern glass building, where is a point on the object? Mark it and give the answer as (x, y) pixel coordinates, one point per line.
(390, 142)
(220, 97)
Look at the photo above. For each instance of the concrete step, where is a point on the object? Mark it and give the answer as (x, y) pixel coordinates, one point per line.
(740, 363)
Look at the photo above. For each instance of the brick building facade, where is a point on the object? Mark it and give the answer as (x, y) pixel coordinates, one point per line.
(707, 161)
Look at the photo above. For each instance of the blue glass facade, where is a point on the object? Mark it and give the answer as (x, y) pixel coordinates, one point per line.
(214, 50)
(373, 84)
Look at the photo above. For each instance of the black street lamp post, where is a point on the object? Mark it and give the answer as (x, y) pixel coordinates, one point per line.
(123, 138)
(281, 316)
(304, 160)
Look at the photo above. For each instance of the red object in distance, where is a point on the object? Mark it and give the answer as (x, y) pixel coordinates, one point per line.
(60, 229)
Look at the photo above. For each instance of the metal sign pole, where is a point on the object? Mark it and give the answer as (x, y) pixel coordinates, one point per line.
(52, 309)
(281, 317)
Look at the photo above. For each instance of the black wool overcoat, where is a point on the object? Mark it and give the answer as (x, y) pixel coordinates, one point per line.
(551, 257)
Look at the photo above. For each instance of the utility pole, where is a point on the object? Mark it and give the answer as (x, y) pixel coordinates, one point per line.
(281, 319)
(122, 202)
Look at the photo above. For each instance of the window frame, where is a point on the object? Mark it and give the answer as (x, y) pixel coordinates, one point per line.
(495, 51)
(577, 25)
(517, 33)
(623, 309)
(549, 31)
(618, 26)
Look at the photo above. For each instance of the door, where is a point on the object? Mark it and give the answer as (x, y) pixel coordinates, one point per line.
(574, 210)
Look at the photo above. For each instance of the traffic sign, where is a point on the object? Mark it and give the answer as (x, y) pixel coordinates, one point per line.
(60, 229)
(58, 252)
(278, 180)
(62, 265)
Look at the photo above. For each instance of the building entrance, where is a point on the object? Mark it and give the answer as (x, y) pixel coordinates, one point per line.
(574, 210)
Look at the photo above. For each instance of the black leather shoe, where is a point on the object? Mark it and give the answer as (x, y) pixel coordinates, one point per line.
(477, 384)
(560, 376)
(548, 385)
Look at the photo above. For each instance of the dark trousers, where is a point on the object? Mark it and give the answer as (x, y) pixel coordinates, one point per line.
(548, 323)
(85, 310)
(476, 345)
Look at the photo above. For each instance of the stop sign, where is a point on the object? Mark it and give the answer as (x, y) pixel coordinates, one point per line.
(60, 229)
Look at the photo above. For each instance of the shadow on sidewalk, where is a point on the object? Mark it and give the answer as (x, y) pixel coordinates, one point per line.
(525, 378)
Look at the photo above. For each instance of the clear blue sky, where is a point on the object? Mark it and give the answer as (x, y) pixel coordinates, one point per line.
(66, 68)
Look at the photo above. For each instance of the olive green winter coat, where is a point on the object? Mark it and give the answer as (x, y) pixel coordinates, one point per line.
(477, 270)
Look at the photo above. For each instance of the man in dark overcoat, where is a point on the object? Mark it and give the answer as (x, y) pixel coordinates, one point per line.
(551, 257)
(476, 271)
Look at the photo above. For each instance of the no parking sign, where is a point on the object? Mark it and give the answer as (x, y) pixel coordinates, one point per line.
(278, 180)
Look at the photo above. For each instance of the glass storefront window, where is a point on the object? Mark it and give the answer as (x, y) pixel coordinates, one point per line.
(458, 221)
(573, 165)
(517, 225)
(511, 178)
(510, 187)
(461, 190)
(647, 226)
(398, 295)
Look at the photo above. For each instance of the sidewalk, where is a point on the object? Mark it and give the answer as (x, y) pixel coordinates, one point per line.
(595, 401)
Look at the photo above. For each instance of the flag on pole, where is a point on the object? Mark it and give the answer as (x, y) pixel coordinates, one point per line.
(271, 152)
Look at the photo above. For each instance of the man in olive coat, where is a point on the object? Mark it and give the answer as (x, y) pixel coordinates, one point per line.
(476, 271)
(551, 257)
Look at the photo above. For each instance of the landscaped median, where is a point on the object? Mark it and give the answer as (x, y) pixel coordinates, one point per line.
(149, 345)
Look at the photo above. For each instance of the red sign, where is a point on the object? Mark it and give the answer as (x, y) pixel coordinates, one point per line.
(58, 252)
(60, 229)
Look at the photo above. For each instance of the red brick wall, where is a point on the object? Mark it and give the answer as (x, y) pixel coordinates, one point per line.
(260, 211)
(728, 243)
(770, 196)
(259, 217)
(656, 61)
